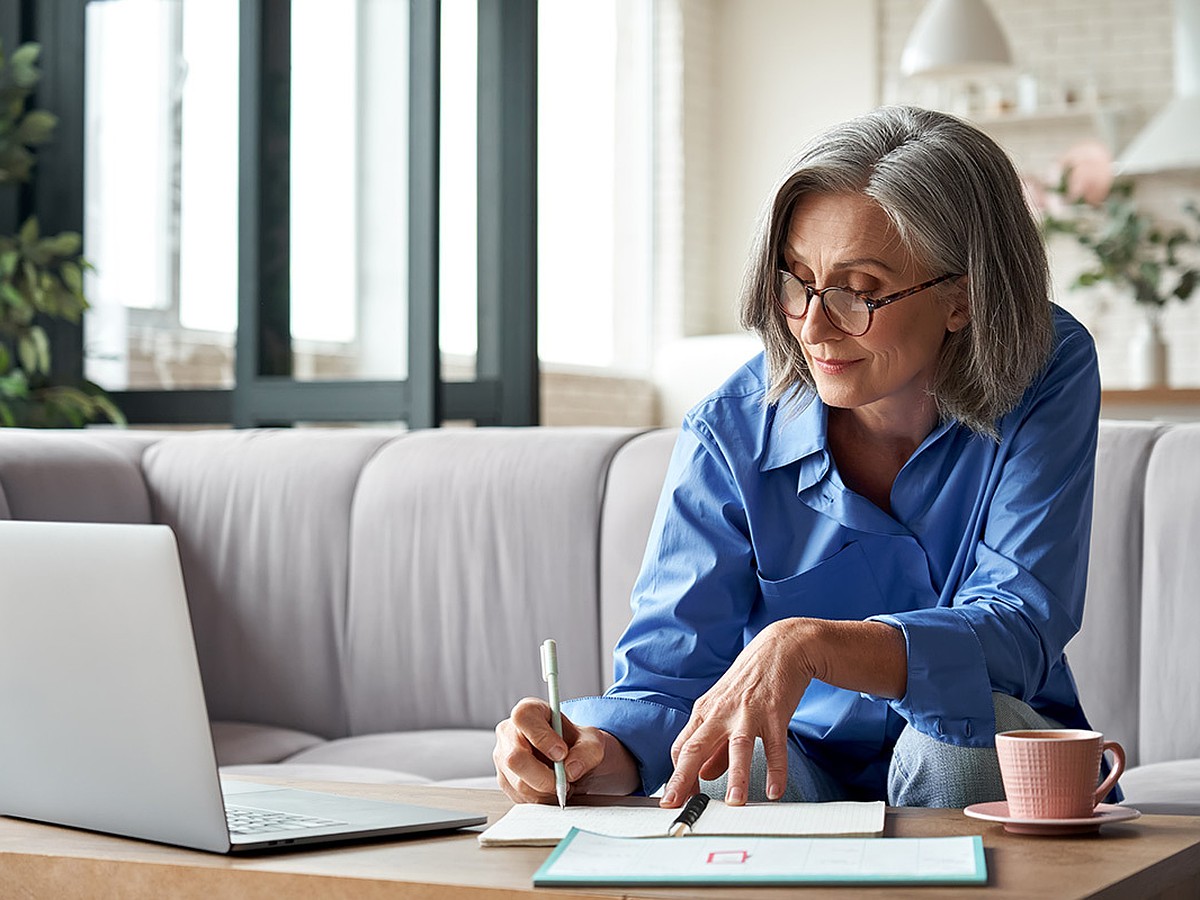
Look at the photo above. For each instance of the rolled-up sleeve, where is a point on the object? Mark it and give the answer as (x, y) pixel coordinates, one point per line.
(1007, 624)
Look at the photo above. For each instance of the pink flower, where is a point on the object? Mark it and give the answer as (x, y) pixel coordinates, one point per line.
(1089, 169)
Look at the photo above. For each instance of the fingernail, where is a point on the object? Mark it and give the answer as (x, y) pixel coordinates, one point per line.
(669, 796)
(557, 753)
(735, 797)
(774, 792)
(574, 769)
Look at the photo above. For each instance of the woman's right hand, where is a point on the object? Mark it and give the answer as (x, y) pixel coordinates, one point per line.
(527, 748)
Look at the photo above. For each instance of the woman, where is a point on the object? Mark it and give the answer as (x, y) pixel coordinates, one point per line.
(871, 547)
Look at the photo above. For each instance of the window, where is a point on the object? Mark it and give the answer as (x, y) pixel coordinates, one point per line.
(595, 173)
(162, 180)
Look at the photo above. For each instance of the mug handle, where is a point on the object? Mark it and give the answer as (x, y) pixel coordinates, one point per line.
(1118, 768)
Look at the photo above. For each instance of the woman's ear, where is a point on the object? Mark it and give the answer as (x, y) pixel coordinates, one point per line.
(959, 315)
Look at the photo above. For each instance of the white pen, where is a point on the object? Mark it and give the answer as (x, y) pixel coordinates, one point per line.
(550, 676)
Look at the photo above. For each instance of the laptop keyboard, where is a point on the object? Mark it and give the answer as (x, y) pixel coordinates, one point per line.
(247, 820)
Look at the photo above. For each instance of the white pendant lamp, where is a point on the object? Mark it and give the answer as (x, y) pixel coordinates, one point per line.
(1172, 139)
(955, 37)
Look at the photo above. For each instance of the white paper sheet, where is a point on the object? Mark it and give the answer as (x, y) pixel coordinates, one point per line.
(536, 824)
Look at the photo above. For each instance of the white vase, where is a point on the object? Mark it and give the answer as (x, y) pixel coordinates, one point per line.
(1147, 350)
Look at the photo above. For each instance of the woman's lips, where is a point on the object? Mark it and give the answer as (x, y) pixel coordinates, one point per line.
(832, 366)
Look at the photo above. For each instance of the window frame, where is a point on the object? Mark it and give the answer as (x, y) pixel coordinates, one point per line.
(265, 393)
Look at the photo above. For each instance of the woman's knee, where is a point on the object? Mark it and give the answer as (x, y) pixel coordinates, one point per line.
(927, 772)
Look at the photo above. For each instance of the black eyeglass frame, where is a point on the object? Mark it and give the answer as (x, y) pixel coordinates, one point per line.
(872, 303)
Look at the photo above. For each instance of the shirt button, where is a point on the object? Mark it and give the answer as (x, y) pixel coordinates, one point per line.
(937, 726)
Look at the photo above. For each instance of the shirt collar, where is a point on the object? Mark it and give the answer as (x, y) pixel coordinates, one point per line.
(798, 433)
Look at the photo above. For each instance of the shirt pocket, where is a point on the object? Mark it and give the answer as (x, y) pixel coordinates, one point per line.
(839, 587)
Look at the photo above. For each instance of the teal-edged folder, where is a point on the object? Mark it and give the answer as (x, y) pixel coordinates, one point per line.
(584, 858)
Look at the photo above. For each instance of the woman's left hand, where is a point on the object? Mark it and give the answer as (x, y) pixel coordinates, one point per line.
(755, 698)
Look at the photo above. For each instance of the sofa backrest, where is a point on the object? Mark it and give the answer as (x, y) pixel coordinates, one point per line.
(1170, 659)
(635, 481)
(351, 581)
(468, 550)
(1105, 655)
(410, 577)
(262, 518)
(73, 476)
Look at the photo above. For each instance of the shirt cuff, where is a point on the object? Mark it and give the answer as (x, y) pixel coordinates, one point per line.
(949, 694)
(647, 730)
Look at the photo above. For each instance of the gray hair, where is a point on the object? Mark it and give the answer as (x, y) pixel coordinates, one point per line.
(957, 204)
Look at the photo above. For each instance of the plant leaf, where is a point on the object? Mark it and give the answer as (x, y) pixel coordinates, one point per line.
(27, 354)
(72, 277)
(1187, 284)
(26, 54)
(15, 298)
(15, 384)
(106, 406)
(66, 243)
(37, 127)
(41, 345)
(29, 231)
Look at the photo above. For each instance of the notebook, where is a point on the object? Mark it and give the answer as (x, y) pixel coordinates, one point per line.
(542, 825)
(104, 721)
(584, 859)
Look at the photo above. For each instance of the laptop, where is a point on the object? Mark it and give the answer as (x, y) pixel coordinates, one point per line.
(103, 723)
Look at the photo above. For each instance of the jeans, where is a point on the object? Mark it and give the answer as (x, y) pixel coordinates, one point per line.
(923, 771)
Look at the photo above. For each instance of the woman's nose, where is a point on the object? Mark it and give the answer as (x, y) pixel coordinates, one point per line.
(815, 327)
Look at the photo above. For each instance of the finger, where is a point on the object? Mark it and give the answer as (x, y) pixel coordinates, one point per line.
(520, 793)
(717, 764)
(741, 752)
(532, 718)
(692, 754)
(685, 735)
(776, 750)
(515, 757)
(585, 754)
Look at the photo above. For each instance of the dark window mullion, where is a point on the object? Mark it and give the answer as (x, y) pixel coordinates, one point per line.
(58, 176)
(15, 25)
(507, 214)
(424, 128)
(264, 346)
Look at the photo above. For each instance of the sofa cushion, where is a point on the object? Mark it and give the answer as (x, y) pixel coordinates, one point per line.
(1170, 664)
(468, 549)
(73, 476)
(262, 519)
(242, 743)
(314, 772)
(1104, 656)
(1155, 787)
(635, 481)
(436, 754)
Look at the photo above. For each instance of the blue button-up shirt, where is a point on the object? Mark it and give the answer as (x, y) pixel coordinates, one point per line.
(981, 563)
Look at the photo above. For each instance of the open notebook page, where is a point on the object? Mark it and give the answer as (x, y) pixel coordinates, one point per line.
(536, 824)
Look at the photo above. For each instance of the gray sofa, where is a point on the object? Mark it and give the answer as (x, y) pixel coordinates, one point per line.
(368, 604)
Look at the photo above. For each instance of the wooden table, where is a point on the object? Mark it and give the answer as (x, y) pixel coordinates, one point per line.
(1152, 856)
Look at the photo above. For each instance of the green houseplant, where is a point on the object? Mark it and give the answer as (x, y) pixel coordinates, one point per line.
(1129, 247)
(41, 276)
(1140, 255)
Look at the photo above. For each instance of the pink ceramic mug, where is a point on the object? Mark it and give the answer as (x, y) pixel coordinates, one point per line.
(1052, 774)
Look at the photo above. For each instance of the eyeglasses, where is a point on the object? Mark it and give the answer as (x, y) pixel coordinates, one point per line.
(850, 312)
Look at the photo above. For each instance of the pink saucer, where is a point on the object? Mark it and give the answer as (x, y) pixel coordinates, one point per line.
(998, 812)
